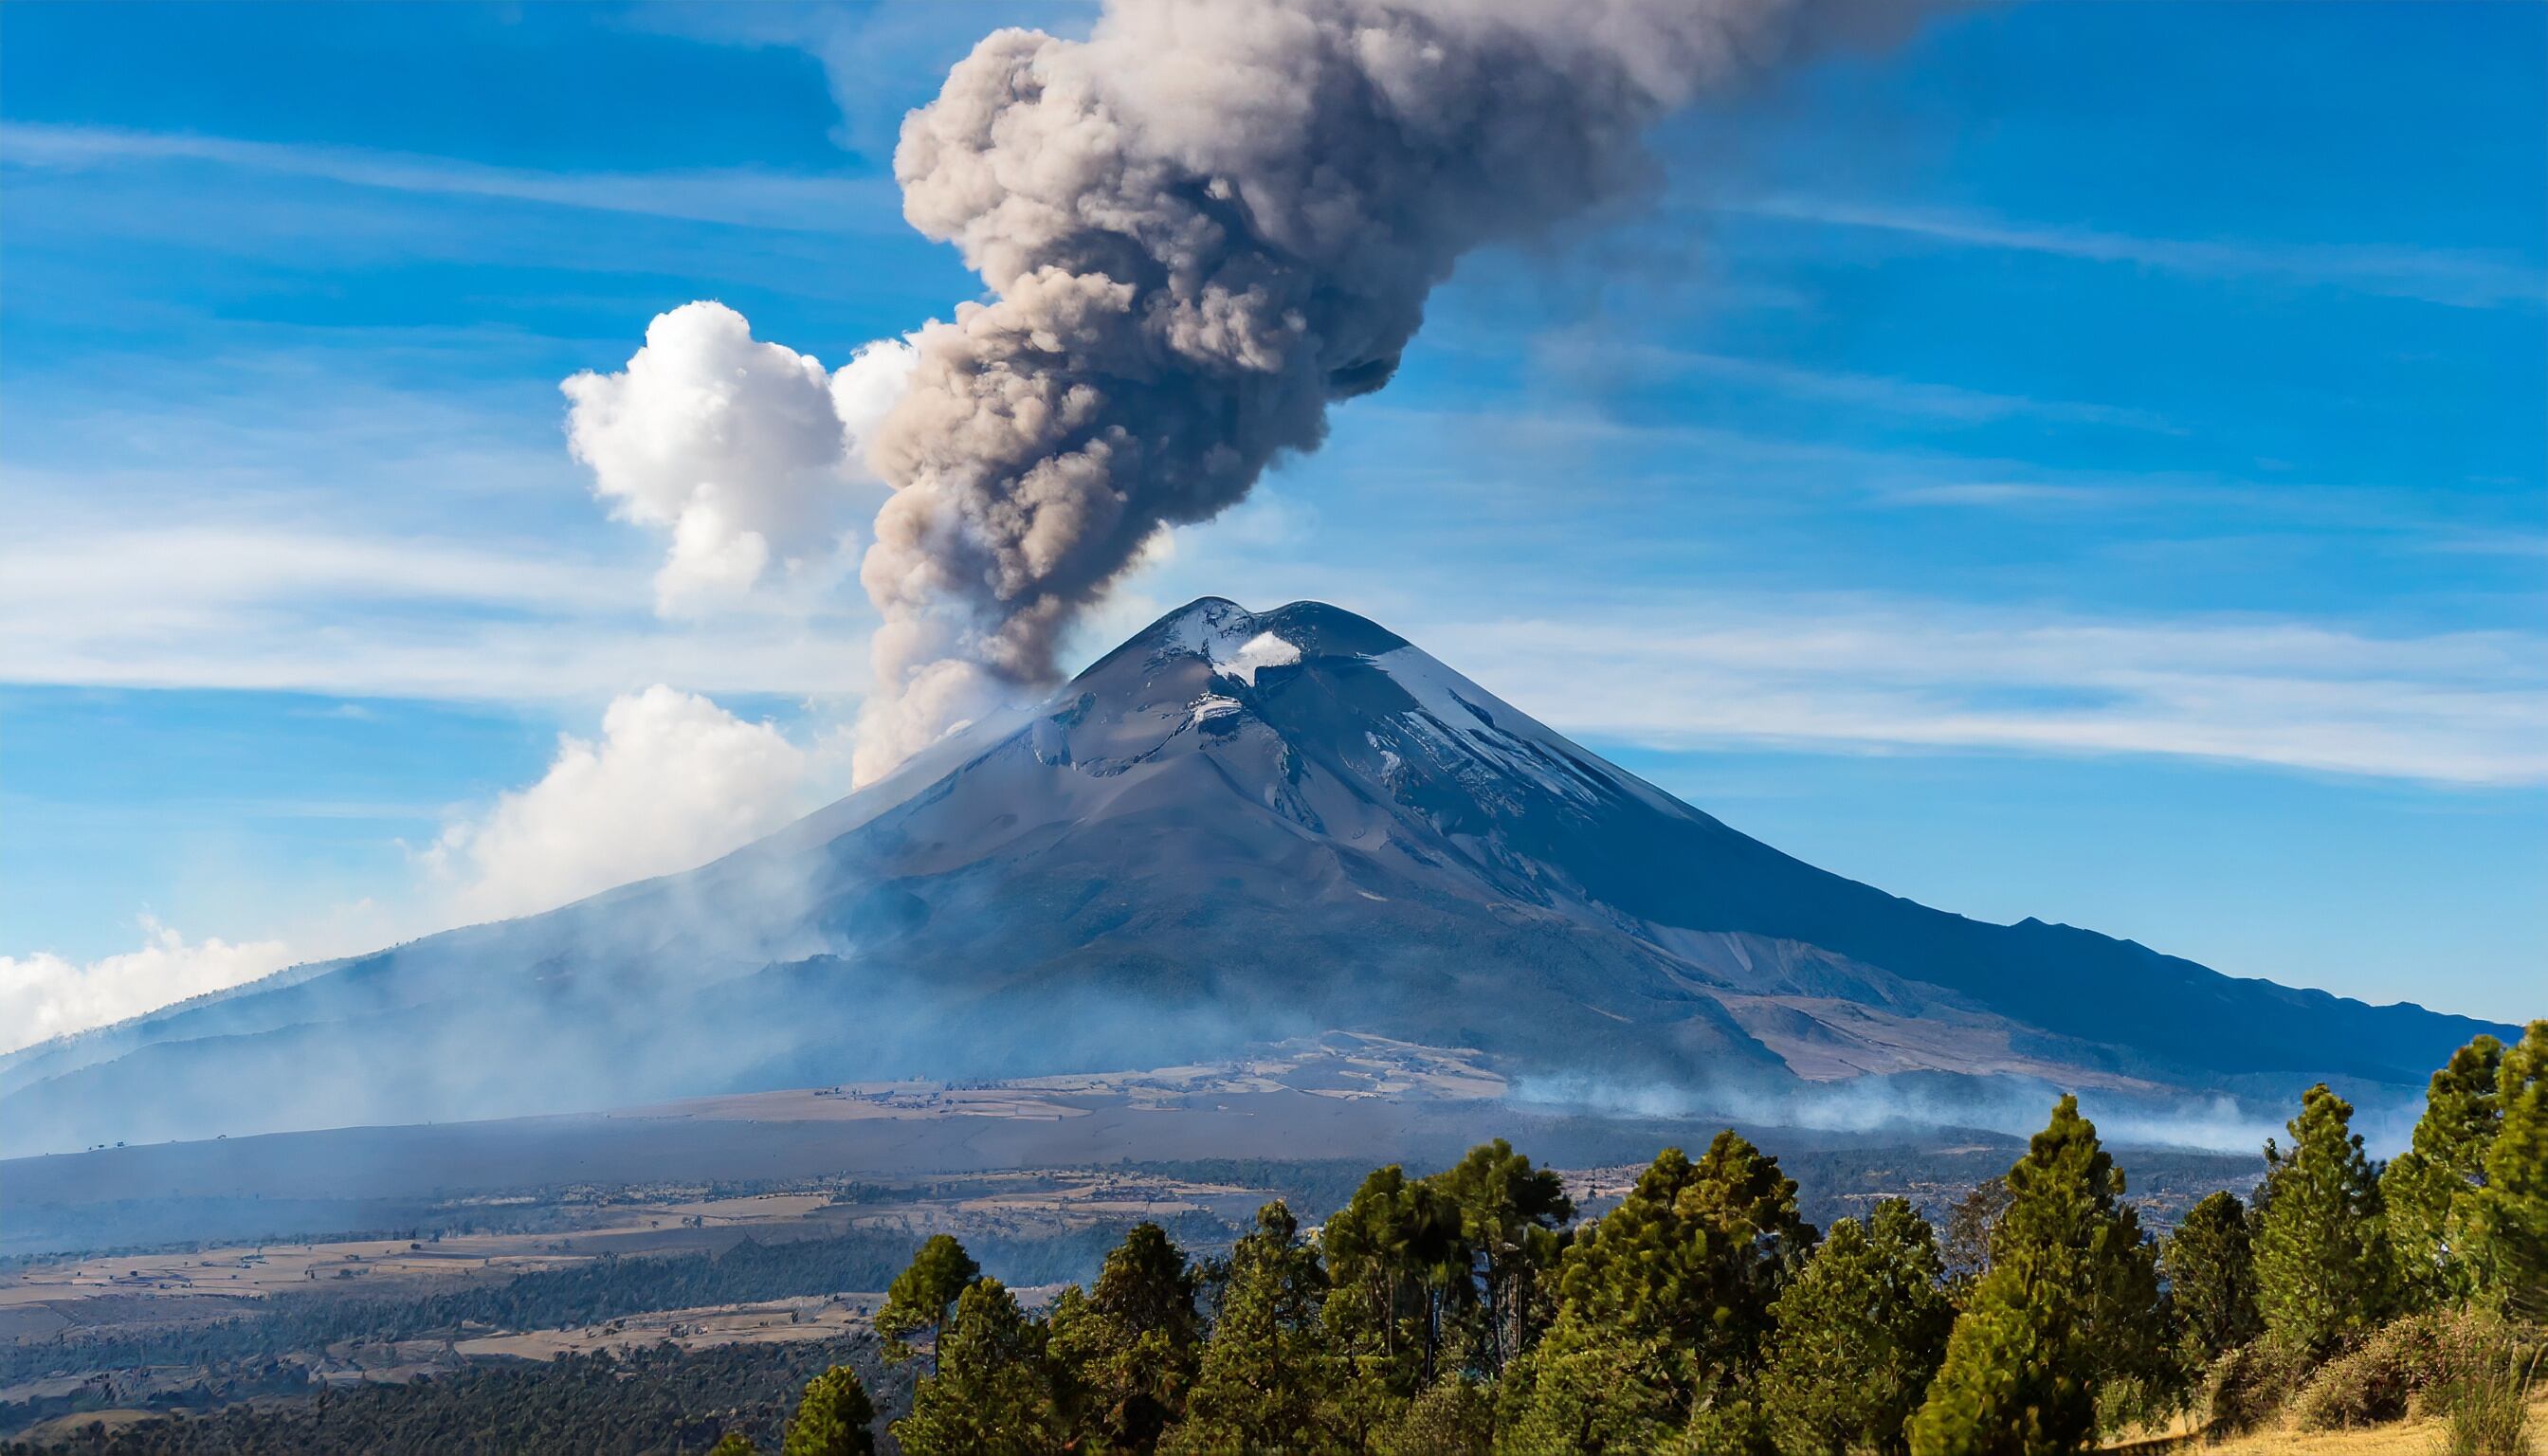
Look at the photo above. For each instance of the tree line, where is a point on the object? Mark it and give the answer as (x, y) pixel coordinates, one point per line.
(1468, 1312)
(643, 1403)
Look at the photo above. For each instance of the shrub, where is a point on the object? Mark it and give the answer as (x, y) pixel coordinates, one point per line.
(2373, 1382)
(2248, 1386)
(2420, 1365)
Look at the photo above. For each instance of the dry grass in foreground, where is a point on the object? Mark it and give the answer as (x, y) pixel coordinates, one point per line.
(2415, 1437)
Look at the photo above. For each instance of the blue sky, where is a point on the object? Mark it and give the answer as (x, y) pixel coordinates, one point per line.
(2083, 462)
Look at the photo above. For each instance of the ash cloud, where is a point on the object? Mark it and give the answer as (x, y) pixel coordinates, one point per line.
(1200, 227)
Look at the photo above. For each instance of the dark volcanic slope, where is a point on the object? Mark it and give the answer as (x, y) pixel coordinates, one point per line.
(1233, 828)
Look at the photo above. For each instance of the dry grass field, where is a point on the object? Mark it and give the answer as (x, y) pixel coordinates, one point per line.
(2401, 1438)
(41, 1299)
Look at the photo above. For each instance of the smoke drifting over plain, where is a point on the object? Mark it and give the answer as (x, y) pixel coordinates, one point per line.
(1200, 227)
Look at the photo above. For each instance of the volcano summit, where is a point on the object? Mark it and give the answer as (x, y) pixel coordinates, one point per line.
(1232, 829)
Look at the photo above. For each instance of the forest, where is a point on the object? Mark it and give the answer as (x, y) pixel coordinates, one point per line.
(1470, 1310)
(664, 1400)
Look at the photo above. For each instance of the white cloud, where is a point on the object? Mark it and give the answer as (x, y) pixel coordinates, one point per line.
(44, 995)
(672, 782)
(746, 452)
(675, 780)
(866, 390)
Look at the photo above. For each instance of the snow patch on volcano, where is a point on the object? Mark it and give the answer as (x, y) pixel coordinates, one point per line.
(1264, 650)
(1459, 732)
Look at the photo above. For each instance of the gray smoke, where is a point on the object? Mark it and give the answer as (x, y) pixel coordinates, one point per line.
(1199, 227)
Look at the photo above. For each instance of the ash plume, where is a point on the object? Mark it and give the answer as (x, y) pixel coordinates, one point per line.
(1199, 227)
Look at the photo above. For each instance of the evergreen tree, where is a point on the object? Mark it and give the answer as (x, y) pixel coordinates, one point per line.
(1267, 1377)
(832, 1418)
(921, 1296)
(2070, 1301)
(733, 1443)
(1860, 1335)
(1589, 1396)
(2425, 1189)
(1966, 1249)
(1687, 1265)
(1511, 1217)
(992, 1393)
(2322, 1270)
(2509, 1222)
(1396, 1262)
(1452, 1418)
(2211, 1268)
(1124, 1354)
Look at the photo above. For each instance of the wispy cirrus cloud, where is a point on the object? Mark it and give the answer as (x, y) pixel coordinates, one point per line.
(1898, 672)
(256, 571)
(880, 57)
(1891, 675)
(1874, 673)
(2454, 278)
(737, 196)
(1604, 360)
(1989, 494)
(288, 605)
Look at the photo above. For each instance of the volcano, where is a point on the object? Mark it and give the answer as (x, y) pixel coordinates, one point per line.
(1232, 829)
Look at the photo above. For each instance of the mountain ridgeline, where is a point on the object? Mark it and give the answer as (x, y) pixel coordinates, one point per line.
(1234, 828)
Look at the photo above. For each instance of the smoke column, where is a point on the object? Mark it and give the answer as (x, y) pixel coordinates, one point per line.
(1198, 229)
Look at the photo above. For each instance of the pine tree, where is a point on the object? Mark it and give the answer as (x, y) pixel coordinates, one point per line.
(921, 1296)
(1859, 1335)
(733, 1443)
(2069, 1302)
(992, 1393)
(1452, 1418)
(832, 1418)
(2323, 1271)
(1397, 1264)
(1589, 1396)
(1125, 1352)
(2509, 1222)
(1687, 1266)
(2210, 1264)
(2425, 1189)
(1267, 1377)
(1966, 1249)
(1511, 1218)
